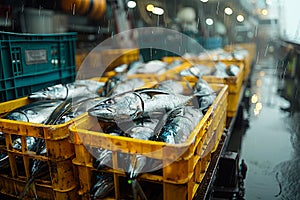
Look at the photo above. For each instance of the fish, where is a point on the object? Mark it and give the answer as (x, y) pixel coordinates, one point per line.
(206, 95)
(171, 86)
(220, 70)
(67, 91)
(138, 162)
(198, 71)
(232, 70)
(111, 83)
(151, 67)
(140, 129)
(35, 112)
(103, 157)
(139, 103)
(178, 125)
(127, 85)
(73, 108)
(103, 186)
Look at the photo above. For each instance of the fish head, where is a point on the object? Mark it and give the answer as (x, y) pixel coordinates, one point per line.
(18, 116)
(121, 107)
(59, 91)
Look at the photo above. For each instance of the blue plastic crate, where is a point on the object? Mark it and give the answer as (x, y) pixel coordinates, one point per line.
(29, 62)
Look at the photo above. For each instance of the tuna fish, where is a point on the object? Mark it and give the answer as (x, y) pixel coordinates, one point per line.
(103, 186)
(36, 112)
(142, 129)
(171, 86)
(204, 101)
(139, 103)
(198, 71)
(232, 70)
(127, 85)
(67, 91)
(111, 83)
(178, 125)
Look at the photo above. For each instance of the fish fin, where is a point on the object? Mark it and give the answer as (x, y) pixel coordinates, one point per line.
(151, 92)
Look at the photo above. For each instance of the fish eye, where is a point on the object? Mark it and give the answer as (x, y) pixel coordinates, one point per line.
(109, 101)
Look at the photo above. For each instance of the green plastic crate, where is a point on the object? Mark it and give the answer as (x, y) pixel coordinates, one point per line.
(29, 62)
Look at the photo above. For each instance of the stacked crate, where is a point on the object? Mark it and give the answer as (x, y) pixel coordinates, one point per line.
(63, 182)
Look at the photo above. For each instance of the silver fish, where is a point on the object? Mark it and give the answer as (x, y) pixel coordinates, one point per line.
(111, 83)
(133, 105)
(16, 144)
(142, 132)
(198, 71)
(103, 157)
(179, 124)
(103, 186)
(74, 108)
(36, 112)
(170, 86)
(151, 67)
(127, 85)
(67, 91)
(204, 101)
(141, 129)
(220, 70)
(232, 70)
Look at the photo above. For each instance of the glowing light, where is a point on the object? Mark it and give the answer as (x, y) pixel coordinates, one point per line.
(150, 7)
(264, 12)
(258, 83)
(131, 4)
(228, 11)
(209, 21)
(258, 106)
(240, 18)
(262, 73)
(254, 98)
(256, 112)
(204, 1)
(158, 11)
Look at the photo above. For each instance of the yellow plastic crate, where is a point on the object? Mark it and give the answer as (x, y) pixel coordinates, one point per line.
(252, 50)
(247, 61)
(178, 179)
(234, 82)
(112, 58)
(60, 152)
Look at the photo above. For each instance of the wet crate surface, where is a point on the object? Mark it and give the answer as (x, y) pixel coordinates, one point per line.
(182, 175)
(29, 62)
(60, 180)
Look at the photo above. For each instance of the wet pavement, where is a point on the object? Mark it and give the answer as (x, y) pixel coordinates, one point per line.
(269, 140)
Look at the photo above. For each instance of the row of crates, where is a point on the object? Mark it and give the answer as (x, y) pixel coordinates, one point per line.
(69, 161)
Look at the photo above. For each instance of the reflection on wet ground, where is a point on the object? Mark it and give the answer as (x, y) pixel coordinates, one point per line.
(270, 141)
